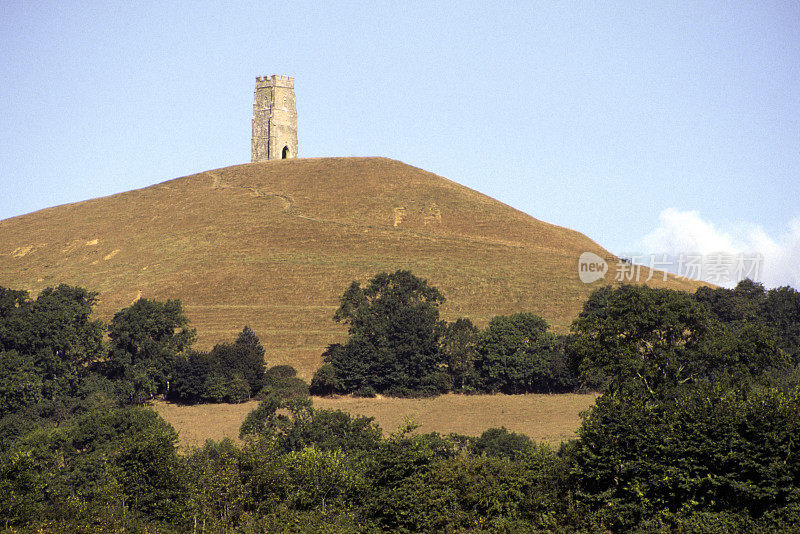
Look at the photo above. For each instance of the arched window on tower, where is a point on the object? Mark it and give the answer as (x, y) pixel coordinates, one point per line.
(285, 152)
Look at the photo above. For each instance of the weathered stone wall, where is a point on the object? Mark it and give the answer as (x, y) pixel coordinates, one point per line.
(274, 118)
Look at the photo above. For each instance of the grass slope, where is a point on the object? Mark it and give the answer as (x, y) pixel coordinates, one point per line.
(274, 244)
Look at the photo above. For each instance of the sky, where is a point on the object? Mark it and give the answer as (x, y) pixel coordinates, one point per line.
(652, 127)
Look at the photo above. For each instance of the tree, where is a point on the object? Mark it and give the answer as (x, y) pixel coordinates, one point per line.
(231, 372)
(332, 430)
(394, 330)
(299, 426)
(318, 478)
(102, 466)
(215, 387)
(701, 447)
(745, 351)
(48, 347)
(218, 492)
(637, 335)
(20, 383)
(151, 473)
(515, 353)
(15, 305)
(238, 389)
(459, 341)
(145, 338)
(54, 333)
(244, 358)
(396, 472)
(781, 311)
(59, 321)
(324, 381)
(189, 377)
(744, 303)
(21, 487)
(248, 338)
(756, 331)
(501, 443)
(263, 420)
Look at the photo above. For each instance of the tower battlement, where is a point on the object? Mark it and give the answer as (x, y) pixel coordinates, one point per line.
(275, 79)
(274, 119)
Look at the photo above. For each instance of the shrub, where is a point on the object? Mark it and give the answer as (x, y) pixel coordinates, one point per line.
(325, 381)
(261, 420)
(407, 393)
(238, 390)
(703, 446)
(331, 430)
(281, 371)
(439, 382)
(501, 443)
(284, 388)
(365, 391)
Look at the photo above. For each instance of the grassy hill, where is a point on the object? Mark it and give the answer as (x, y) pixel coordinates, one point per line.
(274, 244)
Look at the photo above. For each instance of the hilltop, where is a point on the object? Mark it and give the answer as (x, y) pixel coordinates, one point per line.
(274, 245)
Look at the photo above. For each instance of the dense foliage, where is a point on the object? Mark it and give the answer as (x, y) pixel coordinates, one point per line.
(516, 354)
(398, 346)
(231, 372)
(146, 338)
(699, 448)
(699, 421)
(394, 331)
(55, 363)
(696, 430)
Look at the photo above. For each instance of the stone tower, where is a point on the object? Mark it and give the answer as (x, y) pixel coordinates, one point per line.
(274, 119)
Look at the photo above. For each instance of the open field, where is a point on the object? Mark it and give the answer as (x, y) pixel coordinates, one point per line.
(550, 418)
(273, 245)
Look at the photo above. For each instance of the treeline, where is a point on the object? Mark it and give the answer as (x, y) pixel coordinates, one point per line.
(55, 361)
(703, 460)
(399, 346)
(696, 429)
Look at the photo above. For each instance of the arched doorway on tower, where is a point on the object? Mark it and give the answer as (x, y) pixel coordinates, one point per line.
(285, 153)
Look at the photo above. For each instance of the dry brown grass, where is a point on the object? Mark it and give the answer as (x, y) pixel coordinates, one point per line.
(550, 418)
(274, 244)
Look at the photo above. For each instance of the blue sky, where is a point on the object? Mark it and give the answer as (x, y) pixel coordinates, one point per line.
(649, 126)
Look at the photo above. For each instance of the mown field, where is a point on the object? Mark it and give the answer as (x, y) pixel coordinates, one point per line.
(550, 418)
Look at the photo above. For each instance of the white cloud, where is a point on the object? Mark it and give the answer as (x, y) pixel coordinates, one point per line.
(687, 234)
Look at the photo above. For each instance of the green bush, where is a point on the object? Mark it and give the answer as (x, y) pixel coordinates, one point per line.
(281, 371)
(365, 391)
(714, 449)
(231, 372)
(325, 382)
(238, 390)
(515, 354)
(331, 430)
(284, 388)
(501, 443)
